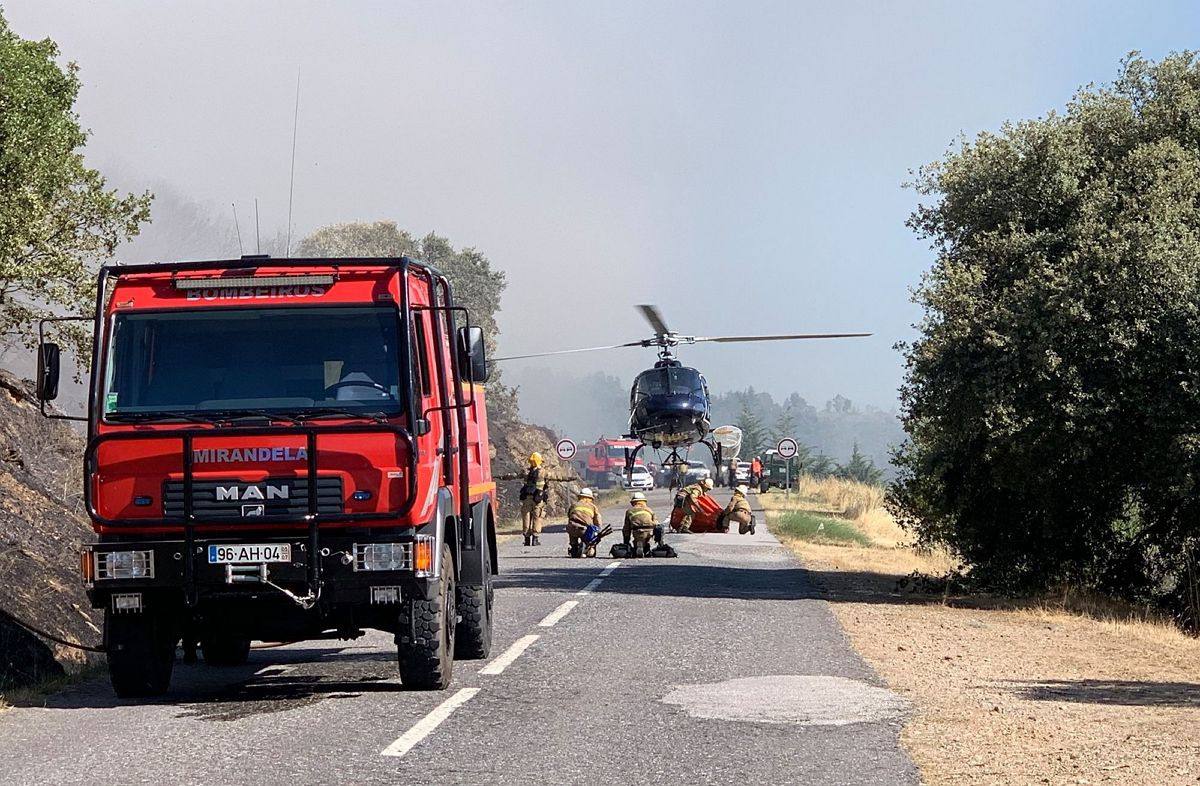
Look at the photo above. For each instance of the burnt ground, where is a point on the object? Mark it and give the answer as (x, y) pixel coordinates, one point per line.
(41, 526)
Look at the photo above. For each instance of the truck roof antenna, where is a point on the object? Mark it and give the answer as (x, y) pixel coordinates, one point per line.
(257, 236)
(292, 178)
(238, 228)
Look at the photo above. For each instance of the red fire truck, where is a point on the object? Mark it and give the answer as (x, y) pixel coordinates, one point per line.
(285, 449)
(603, 462)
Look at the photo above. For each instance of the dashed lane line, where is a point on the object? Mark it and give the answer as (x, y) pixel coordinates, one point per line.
(505, 659)
(553, 617)
(591, 586)
(426, 725)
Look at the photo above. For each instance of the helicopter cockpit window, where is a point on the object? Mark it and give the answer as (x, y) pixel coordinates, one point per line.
(669, 382)
(653, 383)
(686, 381)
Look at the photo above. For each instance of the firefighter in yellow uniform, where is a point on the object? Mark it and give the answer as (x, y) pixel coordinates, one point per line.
(639, 525)
(691, 494)
(738, 510)
(533, 500)
(581, 514)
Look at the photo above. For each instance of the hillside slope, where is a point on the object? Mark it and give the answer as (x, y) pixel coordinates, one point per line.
(41, 526)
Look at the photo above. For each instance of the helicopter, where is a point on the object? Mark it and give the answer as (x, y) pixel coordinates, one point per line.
(669, 404)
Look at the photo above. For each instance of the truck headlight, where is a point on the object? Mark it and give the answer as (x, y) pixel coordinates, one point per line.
(382, 556)
(124, 565)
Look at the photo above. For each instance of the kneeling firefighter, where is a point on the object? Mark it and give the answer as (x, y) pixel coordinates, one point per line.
(534, 494)
(687, 500)
(738, 510)
(581, 514)
(641, 526)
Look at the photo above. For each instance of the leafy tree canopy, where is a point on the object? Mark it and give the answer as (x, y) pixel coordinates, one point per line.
(58, 221)
(1052, 399)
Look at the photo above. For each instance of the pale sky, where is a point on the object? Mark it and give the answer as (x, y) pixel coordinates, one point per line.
(739, 164)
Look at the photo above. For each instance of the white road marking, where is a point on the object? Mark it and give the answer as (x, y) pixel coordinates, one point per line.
(553, 617)
(273, 671)
(596, 581)
(591, 586)
(505, 659)
(427, 724)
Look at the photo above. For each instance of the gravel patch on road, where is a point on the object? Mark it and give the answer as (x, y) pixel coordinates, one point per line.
(800, 700)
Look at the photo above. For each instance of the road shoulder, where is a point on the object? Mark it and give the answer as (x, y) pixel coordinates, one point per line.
(1009, 692)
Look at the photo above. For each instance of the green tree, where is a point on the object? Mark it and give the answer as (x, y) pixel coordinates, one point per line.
(820, 466)
(754, 434)
(57, 219)
(860, 468)
(785, 426)
(1052, 398)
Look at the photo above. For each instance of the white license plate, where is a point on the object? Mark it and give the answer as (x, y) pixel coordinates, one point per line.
(249, 553)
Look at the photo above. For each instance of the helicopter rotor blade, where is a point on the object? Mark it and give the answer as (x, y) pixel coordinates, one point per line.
(654, 317)
(568, 351)
(731, 339)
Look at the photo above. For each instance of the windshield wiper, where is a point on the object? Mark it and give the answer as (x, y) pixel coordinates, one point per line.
(160, 415)
(330, 412)
(228, 415)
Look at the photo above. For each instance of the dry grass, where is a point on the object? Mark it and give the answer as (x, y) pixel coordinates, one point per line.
(890, 549)
(1065, 688)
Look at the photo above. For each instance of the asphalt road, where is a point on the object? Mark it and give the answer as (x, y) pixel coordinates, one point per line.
(720, 666)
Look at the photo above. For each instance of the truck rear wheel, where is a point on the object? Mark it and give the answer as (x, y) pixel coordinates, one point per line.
(140, 649)
(220, 651)
(474, 635)
(427, 661)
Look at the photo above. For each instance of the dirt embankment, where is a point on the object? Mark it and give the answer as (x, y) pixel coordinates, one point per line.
(512, 442)
(42, 525)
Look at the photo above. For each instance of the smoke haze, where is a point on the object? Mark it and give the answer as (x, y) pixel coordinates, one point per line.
(739, 164)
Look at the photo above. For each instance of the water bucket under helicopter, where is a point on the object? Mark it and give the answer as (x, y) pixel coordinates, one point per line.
(730, 440)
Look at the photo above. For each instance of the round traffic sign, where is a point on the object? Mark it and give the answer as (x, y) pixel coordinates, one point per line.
(787, 448)
(565, 449)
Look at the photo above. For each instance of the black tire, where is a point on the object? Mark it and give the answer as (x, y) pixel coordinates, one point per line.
(219, 651)
(427, 662)
(473, 639)
(140, 649)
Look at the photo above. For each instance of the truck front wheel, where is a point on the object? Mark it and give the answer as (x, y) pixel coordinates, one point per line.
(140, 648)
(427, 660)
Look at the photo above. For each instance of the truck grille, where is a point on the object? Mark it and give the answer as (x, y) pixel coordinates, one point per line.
(275, 497)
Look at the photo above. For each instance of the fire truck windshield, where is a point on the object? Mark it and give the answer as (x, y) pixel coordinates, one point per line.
(314, 360)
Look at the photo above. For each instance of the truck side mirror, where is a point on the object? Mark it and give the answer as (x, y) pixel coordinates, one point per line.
(472, 354)
(47, 372)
